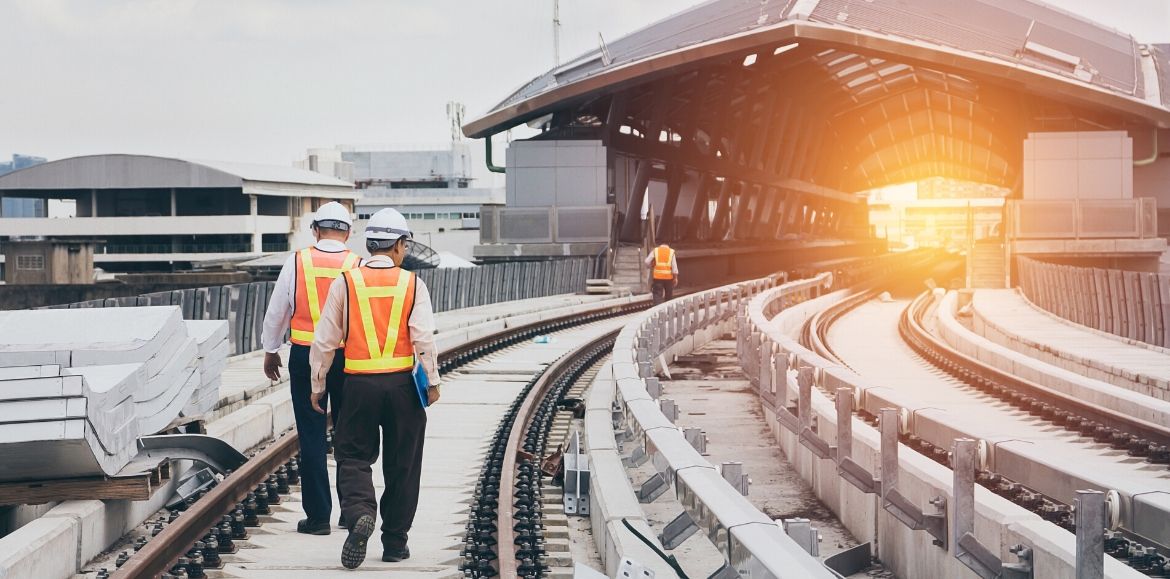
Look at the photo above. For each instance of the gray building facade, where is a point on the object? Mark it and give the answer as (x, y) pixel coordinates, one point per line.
(19, 206)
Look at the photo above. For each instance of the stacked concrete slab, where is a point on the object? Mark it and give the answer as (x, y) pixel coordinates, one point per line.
(78, 387)
(211, 341)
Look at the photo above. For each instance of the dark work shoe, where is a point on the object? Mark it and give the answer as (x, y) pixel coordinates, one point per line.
(396, 556)
(311, 527)
(353, 552)
(341, 521)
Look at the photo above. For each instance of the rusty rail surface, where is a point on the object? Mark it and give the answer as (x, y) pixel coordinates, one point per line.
(506, 546)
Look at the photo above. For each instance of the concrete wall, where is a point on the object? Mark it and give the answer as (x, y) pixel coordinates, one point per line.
(1078, 165)
(560, 173)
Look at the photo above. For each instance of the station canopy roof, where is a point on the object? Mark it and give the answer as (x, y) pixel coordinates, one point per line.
(875, 92)
(149, 172)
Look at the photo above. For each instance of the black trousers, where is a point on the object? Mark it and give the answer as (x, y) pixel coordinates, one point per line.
(311, 428)
(667, 285)
(389, 402)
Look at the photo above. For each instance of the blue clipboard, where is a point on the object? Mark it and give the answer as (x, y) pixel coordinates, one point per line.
(420, 383)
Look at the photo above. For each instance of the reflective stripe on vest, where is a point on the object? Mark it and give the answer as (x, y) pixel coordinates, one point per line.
(316, 270)
(378, 340)
(663, 256)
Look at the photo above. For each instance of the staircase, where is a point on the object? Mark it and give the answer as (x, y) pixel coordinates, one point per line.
(627, 269)
(987, 267)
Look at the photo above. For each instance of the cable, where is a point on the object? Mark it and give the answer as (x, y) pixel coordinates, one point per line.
(670, 560)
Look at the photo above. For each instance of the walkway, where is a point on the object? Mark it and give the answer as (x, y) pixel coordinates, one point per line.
(458, 431)
(1006, 318)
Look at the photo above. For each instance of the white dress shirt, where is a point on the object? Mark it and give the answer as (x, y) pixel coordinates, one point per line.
(280, 308)
(334, 323)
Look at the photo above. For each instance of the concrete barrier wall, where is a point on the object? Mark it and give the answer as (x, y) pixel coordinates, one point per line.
(1130, 304)
(752, 544)
(998, 524)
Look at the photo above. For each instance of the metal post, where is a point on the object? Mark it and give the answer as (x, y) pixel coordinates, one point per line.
(844, 423)
(964, 488)
(1090, 515)
(889, 426)
(765, 366)
(804, 380)
(669, 409)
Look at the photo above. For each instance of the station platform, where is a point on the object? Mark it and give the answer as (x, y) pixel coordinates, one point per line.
(1008, 319)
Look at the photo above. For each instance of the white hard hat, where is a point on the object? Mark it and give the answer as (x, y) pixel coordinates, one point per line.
(331, 215)
(387, 224)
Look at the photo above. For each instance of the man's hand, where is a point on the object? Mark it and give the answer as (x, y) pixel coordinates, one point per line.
(316, 398)
(432, 395)
(272, 365)
(676, 282)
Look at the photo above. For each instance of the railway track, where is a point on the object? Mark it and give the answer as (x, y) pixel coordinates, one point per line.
(1017, 422)
(190, 541)
(507, 540)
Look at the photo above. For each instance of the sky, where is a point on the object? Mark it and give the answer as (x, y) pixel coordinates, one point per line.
(262, 80)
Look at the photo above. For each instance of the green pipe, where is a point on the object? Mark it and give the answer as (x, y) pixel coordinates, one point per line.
(487, 142)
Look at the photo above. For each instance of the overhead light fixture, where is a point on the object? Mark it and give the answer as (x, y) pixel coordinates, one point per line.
(749, 59)
(785, 48)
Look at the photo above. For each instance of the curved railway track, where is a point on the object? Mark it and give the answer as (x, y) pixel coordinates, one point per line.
(1120, 449)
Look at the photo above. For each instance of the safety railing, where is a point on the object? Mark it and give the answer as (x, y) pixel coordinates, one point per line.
(752, 544)
(1130, 304)
(1082, 218)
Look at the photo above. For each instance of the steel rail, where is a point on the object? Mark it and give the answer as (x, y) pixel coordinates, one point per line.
(174, 541)
(505, 521)
(157, 555)
(932, 348)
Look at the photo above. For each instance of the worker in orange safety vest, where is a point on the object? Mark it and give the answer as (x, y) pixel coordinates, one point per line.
(295, 307)
(664, 270)
(381, 315)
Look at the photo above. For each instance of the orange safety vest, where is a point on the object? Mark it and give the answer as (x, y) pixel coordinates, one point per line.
(663, 256)
(378, 338)
(316, 270)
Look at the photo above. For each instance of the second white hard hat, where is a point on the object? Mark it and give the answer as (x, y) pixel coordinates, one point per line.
(331, 215)
(387, 224)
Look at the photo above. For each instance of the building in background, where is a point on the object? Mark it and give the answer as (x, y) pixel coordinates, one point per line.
(48, 262)
(16, 206)
(167, 214)
(431, 185)
(934, 212)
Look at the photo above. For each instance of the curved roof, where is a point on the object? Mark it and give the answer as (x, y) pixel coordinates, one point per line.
(148, 172)
(849, 94)
(1024, 41)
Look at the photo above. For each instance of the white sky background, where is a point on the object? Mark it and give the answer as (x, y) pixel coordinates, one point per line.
(262, 80)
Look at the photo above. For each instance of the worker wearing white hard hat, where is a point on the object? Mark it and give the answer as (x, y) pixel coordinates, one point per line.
(383, 313)
(295, 307)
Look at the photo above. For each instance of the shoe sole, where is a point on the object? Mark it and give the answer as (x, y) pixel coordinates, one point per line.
(353, 552)
(318, 532)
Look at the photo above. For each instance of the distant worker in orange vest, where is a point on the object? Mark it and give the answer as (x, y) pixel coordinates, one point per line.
(383, 315)
(664, 274)
(296, 306)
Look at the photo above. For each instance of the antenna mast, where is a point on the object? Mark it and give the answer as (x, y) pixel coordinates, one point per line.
(455, 111)
(556, 32)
